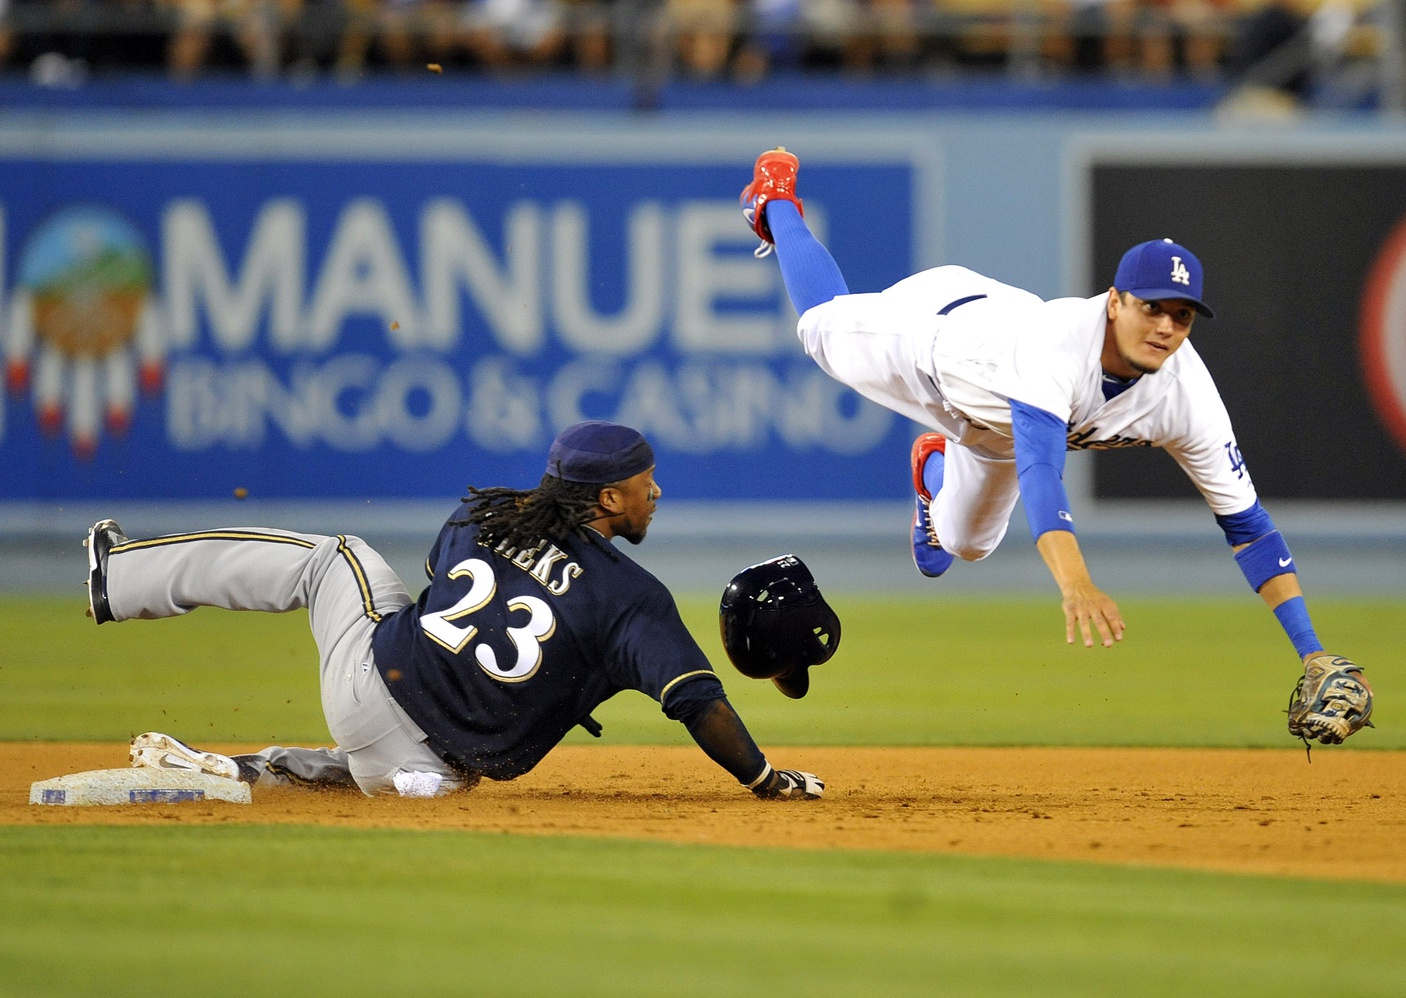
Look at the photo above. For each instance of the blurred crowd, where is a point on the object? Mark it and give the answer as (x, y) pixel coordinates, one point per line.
(60, 40)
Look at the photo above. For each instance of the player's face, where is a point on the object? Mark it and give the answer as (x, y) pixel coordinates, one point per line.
(630, 506)
(1143, 334)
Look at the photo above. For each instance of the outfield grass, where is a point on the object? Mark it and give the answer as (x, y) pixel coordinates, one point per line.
(304, 911)
(909, 671)
(236, 911)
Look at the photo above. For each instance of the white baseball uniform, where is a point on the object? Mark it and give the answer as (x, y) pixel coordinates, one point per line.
(950, 348)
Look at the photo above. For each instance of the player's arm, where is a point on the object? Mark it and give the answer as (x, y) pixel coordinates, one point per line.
(720, 733)
(1332, 699)
(1268, 566)
(1040, 444)
(658, 656)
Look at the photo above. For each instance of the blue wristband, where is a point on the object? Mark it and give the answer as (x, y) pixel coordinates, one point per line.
(1247, 525)
(1264, 559)
(1293, 617)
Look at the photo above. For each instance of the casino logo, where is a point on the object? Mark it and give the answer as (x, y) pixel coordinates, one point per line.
(84, 328)
(1383, 333)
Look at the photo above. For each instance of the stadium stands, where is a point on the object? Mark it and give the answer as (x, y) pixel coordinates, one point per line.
(62, 41)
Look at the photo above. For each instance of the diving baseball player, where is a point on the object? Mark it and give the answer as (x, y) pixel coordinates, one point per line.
(1010, 383)
(532, 618)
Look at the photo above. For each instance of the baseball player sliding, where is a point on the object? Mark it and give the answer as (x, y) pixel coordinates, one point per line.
(1010, 383)
(531, 620)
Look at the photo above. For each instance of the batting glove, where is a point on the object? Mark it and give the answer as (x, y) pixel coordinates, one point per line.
(790, 784)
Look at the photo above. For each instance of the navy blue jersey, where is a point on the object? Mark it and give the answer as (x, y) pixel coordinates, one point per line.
(505, 652)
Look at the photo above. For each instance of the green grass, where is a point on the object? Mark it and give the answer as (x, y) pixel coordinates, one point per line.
(247, 911)
(211, 674)
(302, 911)
(909, 671)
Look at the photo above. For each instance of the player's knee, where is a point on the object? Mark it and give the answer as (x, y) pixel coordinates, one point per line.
(343, 545)
(967, 550)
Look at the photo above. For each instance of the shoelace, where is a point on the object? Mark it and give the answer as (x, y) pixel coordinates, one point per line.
(765, 249)
(928, 527)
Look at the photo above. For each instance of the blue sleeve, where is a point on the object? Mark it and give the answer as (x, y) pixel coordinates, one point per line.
(1247, 526)
(1041, 439)
(653, 652)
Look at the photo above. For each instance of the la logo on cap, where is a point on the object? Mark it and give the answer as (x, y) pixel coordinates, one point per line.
(1161, 268)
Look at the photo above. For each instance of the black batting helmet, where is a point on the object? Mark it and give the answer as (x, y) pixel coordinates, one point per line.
(776, 625)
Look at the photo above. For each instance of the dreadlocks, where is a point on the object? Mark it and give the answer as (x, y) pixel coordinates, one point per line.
(523, 518)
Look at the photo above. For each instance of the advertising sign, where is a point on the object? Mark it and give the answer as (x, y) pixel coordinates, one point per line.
(180, 324)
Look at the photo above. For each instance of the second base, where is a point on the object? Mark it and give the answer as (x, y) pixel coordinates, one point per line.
(137, 786)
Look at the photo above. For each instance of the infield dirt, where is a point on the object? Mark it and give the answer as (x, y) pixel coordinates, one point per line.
(1250, 811)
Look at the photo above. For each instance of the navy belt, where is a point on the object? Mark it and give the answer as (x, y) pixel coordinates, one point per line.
(959, 303)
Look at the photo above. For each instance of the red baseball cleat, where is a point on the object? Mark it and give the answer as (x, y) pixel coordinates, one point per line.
(928, 554)
(923, 448)
(773, 178)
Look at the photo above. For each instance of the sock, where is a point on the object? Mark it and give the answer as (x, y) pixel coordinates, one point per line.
(932, 472)
(811, 275)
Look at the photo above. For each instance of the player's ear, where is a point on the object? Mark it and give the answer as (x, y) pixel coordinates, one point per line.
(1114, 302)
(610, 499)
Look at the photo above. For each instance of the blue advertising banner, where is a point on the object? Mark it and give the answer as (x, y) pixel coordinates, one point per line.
(180, 324)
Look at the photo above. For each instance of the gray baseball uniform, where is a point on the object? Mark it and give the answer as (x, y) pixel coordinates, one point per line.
(346, 587)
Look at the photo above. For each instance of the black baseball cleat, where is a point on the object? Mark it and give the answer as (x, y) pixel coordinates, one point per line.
(102, 537)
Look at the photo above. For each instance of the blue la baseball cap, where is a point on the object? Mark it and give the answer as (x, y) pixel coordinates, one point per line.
(597, 453)
(1160, 268)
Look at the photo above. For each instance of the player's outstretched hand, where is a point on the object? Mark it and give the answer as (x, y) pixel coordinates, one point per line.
(791, 784)
(1331, 700)
(1088, 609)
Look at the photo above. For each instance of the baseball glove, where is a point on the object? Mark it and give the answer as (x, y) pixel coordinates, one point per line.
(1331, 701)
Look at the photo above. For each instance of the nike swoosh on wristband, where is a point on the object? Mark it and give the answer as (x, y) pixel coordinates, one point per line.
(1286, 562)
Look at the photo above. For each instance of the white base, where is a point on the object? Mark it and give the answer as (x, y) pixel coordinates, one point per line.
(137, 786)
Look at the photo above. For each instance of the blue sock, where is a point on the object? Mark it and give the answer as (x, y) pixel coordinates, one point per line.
(932, 472)
(811, 274)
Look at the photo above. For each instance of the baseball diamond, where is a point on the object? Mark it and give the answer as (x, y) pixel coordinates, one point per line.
(1238, 810)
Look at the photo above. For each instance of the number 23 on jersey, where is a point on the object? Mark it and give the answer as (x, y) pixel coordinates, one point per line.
(454, 629)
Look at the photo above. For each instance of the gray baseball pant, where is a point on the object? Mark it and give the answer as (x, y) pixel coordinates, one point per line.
(346, 587)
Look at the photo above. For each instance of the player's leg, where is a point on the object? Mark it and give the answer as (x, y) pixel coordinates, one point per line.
(810, 273)
(868, 342)
(381, 742)
(774, 211)
(277, 766)
(274, 766)
(241, 568)
(314, 768)
(928, 461)
(971, 508)
(346, 587)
